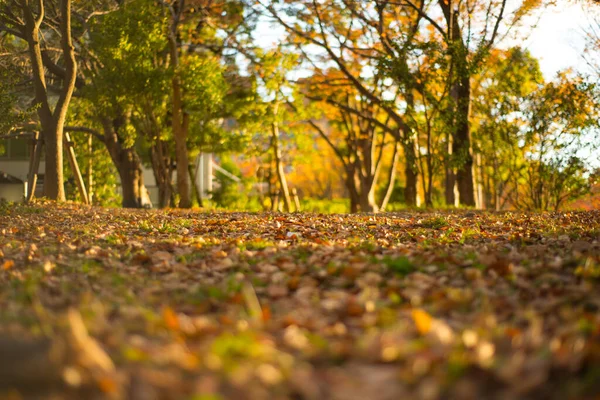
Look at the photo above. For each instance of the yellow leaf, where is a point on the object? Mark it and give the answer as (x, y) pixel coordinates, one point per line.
(423, 321)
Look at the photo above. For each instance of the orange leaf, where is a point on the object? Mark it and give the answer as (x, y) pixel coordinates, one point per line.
(108, 385)
(170, 318)
(423, 321)
(266, 314)
(8, 264)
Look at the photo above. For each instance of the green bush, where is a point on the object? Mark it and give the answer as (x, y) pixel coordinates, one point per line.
(231, 195)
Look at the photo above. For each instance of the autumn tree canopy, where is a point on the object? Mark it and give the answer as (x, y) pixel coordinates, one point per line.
(414, 102)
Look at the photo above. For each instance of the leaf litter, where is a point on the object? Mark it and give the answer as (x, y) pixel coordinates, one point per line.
(145, 304)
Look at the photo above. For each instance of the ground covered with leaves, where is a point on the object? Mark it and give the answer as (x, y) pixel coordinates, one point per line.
(127, 304)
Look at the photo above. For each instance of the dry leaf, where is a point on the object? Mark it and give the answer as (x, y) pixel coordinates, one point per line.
(422, 320)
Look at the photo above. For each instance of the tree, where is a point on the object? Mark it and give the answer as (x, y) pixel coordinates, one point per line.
(469, 31)
(131, 77)
(104, 125)
(123, 81)
(358, 132)
(191, 33)
(562, 117)
(420, 71)
(352, 36)
(501, 92)
(272, 115)
(28, 26)
(273, 67)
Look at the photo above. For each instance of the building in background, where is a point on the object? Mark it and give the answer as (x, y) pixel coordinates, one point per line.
(14, 167)
(15, 161)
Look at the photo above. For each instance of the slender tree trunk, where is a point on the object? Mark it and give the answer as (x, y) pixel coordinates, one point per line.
(410, 174)
(392, 179)
(128, 164)
(450, 181)
(479, 183)
(428, 183)
(54, 186)
(55, 147)
(180, 124)
(90, 169)
(287, 200)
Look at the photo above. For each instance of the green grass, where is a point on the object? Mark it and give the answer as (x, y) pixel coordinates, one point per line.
(434, 223)
(337, 206)
(401, 266)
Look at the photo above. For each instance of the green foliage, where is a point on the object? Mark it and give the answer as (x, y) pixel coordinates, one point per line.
(12, 112)
(136, 76)
(562, 125)
(530, 133)
(127, 45)
(232, 195)
(104, 173)
(204, 84)
(401, 265)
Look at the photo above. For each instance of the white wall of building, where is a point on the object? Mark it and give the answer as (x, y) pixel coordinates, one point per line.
(18, 168)
(12, 191)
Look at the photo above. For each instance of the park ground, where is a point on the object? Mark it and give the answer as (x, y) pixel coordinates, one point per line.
(102, 303)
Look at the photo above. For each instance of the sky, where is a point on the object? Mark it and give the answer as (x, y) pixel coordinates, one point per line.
(558, 39)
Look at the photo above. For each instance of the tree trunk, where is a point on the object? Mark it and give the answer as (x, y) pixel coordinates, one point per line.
(428, 189)
(479, 183)
(461, 157)
(180, 124)
(278, 160)
(90, 168)
(129, 166)
(392, 178)
(354, 198)
(450, 181)
(161, 167)
(132, 181)
(352, 187)
(462, 143)
(54, 184)
(367, 198)
(410, 174)
(196, 193)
